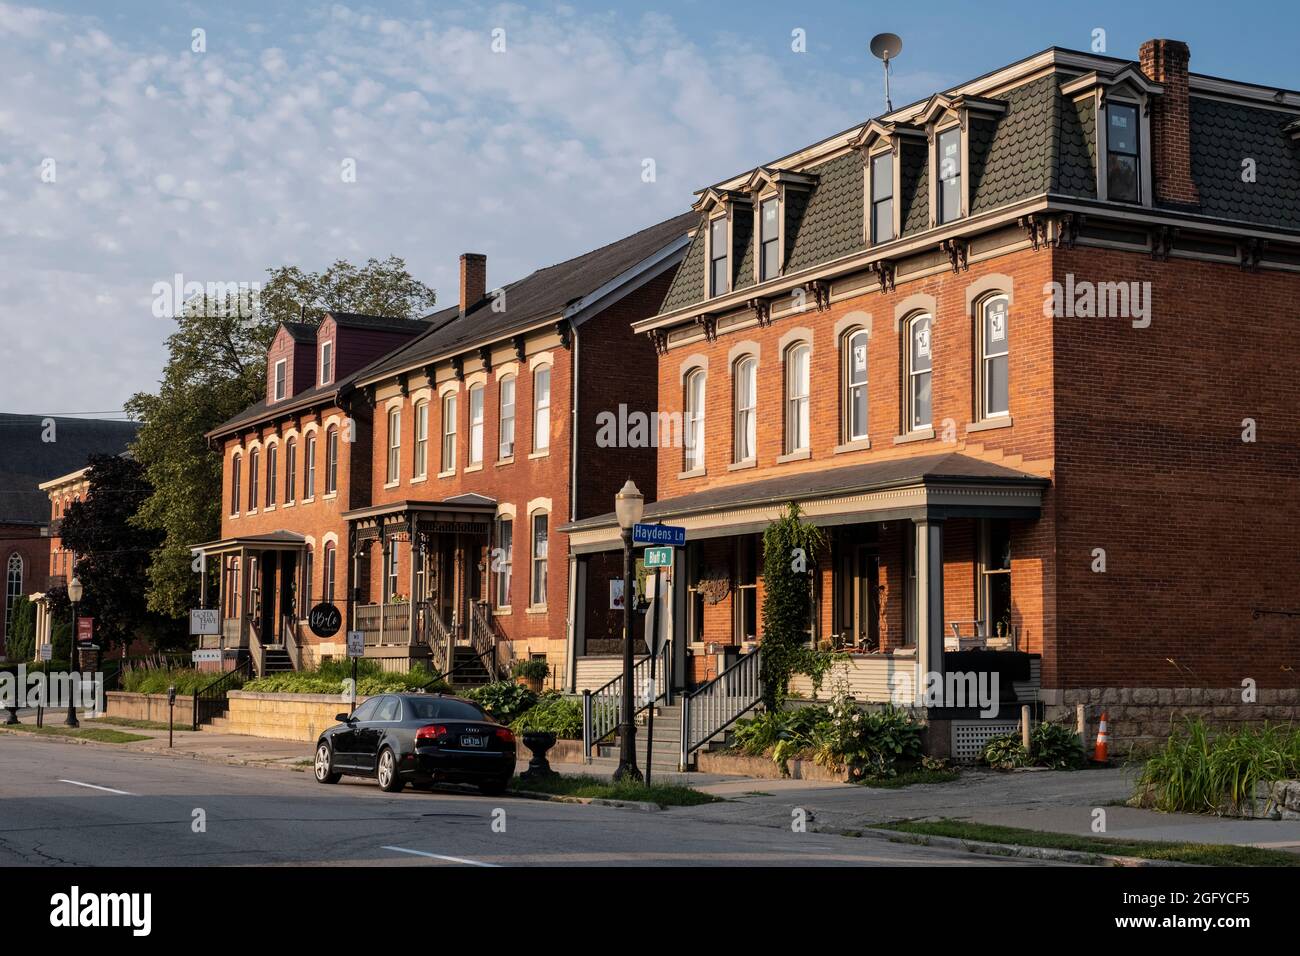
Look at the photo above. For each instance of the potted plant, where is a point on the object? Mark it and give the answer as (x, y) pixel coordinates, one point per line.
(531, 673)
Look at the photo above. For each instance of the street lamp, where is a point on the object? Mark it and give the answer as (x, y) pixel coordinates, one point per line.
(629, 505)
(75, 593)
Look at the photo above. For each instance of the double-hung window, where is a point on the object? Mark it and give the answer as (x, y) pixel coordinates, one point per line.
(332, 460)
(501, 560)
(326, 362)
(1122, 167)
(290, 471)
(950, 175)
(281, 379)
(272, 463)
(693, 422)
(394, 445)
(542, 409)
(769, 238)
(309, 472)
(798, 360)
(746, 408)
(855, 386)
(448, 433)
(235, 464)
(918, 373)
(718, 256)
(882, 198)
(507, 442)
(254, 465)
(476, 425)
(421, 451)
(994, 345)
(538, 596)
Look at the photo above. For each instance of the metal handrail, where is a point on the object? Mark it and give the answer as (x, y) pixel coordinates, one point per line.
(602, 707)
(256, 650)
(483, 639)
(289, 628)
(711, 708)
(437, 637)
(207, 697)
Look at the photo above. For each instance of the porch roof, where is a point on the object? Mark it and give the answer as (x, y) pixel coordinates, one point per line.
(271, 541)
(460, 512)
(933, 486)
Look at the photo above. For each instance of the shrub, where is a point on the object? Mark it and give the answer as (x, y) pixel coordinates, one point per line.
(504, 700)
(531, 670)
(331, 677)
(761, 734)
(554, 712)
(1004, 752)
(871, 744)
(156, 680)
(1202, 773)
(21, 643)
(1056, 746)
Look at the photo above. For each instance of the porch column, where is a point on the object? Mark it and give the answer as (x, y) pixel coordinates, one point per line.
(410, 590)
(203, 579)
(244, 585)
(678, 618)
(929, 600)
(577, 615)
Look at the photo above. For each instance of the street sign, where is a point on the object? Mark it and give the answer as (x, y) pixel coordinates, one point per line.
(658, 557)
(85, 629)
(205, 621)
(47, 652)
(356, 644)
(206, 656)
(668, 534)
(325, 620)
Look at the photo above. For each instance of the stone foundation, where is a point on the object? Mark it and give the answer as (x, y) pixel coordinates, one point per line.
(1142, 718)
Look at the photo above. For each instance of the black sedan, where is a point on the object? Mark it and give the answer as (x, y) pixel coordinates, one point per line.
(420, 739)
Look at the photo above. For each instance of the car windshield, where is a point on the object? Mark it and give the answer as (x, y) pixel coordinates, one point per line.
(434, 708)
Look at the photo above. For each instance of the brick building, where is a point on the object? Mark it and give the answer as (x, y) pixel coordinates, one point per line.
(1021, 350)
(34, 450)
(414, 473)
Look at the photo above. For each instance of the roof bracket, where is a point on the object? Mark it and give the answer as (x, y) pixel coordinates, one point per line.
(659, 339)
(1251, 250)
(458, 367)
(403, 387)
(521, 351)
(884, 272)
(709, 324)
(565, 333)
(485, 356)
(1162, 241)
(762, 310)
(958, 251)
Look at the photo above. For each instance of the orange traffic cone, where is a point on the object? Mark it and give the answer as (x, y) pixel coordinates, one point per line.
(1102, 754)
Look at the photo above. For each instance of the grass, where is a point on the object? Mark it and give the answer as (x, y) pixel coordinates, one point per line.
(1202, 854)
(137, 724)
(664, 794)
(910, 777)
(101, 734)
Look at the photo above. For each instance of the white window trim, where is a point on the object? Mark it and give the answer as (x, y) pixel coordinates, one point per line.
(725, 214)
(848, 439)
(963, 149)
(982, 413)
(766, 195)
(280, 385)
(790, 451)
(737, 459)
(1140, 104)
(896, 178)
(321, 376)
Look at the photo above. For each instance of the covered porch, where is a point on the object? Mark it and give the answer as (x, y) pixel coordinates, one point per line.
(255, 582)
(933, 566)
(419, 593)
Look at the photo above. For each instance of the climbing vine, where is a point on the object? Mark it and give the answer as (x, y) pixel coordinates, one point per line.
(790, 550)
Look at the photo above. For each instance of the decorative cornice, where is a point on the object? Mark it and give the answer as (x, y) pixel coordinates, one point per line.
(485, 356)
(1162, 241)
(565, 333)
(884, 271)
(821, 293)
(521, 350)
(958, 251)
(458, 367)
(762, 310)
(403, 387)
(659, 339)
(709, 325)
(1251, 251)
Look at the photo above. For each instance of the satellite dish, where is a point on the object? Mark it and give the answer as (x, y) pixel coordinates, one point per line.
(886, 46)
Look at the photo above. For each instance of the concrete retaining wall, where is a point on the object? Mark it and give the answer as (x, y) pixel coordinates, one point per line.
(130, 706)
(284, 716)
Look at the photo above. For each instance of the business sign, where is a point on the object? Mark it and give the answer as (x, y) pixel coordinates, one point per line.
(85, 629)
(356, 644)
(47, 652)
(206, 656)
(658, 557)
(671, 535)
(205, 622)
(325, 620)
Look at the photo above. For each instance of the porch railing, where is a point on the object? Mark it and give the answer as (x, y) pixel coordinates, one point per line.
(602, 707)
(482, 637)
(712, 707)
(213, 700)
(434, 633)
(255, 649)
(289, 631)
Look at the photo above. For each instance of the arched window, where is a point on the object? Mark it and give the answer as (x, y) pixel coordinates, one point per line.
(541, 535)
(13, 588)
(291, 470)
(855, 385)
(327, 581)
(746, 399)
(254, 464)
(542, 408)
(693, 421)
(394, 444)
(798, 359)
(235, 464)
(332, 460)
(476, 425)
(308, 560)
(507, 448)
(309, 472)
(918, 373)
(503, 560)
(421, 453)
(994, 339)
(448, 433)
(272, 468)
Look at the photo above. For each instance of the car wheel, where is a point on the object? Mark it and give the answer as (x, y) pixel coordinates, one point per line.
(494, 788)
(389, 781)
(323, 767)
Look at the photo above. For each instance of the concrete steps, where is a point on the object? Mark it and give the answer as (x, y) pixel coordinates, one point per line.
(667, 743)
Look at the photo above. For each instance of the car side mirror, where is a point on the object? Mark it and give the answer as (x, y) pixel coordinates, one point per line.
(344, 718)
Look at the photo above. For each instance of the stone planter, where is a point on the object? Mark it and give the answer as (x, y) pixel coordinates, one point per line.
(532, 683)
(539, 742)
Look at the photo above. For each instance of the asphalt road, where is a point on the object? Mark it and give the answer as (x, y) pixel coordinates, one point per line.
(65, 804)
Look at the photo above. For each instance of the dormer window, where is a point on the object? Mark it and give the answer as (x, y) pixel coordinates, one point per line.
(281, 379)
(950, 178)
(1122, 153)
(769, 239)
(882, 197)
(718, 256)
(326, 363)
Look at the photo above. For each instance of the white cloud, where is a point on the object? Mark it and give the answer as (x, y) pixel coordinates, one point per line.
(219, 165)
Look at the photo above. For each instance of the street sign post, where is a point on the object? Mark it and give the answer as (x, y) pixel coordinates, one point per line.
(356, 650)
(658, 558)
(668, 534)
(205, 622)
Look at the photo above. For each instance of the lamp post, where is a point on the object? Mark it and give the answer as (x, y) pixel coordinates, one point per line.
(629, 505)
(75, 592)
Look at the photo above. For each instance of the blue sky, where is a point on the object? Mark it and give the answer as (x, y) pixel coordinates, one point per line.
(220, 163)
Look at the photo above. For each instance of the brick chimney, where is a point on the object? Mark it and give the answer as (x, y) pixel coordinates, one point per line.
(1165, 62)
(473, 280)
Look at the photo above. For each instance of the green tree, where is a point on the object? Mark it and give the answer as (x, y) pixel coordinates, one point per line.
(216, 368)
(21, 645)
(790, 551)
(113, 552)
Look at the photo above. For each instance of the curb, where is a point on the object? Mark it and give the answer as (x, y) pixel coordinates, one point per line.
(643, 805)
(1027, 852)
(158, 751)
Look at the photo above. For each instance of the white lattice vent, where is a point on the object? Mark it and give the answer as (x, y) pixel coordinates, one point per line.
(970, 736)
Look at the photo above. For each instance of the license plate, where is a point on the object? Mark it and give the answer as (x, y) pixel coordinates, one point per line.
(473, 741)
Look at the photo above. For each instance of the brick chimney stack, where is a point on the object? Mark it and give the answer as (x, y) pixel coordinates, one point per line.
(473, 280)
(1165, 62)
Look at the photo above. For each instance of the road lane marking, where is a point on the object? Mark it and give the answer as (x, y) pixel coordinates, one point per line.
(93, 786)
(438, 856)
